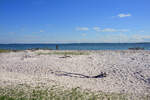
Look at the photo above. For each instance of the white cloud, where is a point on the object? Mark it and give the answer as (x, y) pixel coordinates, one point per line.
(97, 29)
(82, 28)
(109, 30)
(141, 37)
(125, 38)
(124, 15)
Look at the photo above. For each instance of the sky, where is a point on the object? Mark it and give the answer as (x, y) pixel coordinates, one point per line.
(74, 21)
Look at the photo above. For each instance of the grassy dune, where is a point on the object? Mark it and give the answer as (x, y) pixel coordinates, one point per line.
(24, 92)
(4, 51)
(63, 53)
(7, 51)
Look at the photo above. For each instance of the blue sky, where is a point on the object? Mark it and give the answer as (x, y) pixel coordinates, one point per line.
(71, 21)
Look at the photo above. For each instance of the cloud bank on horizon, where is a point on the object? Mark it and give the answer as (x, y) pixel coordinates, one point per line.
(124, 15)
(67, 21)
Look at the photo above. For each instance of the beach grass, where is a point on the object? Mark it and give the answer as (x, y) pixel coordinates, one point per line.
(64, 53)
(59, 93)
(4, 51)
(7, 51)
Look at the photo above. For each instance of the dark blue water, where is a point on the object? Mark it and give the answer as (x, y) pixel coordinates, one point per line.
(78, 46)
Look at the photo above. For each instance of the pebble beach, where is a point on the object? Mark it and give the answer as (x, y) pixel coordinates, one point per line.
(127, 71)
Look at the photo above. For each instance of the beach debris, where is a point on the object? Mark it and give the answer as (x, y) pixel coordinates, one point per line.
(136, 48)
(148, 80)
(132, 58)
(90, 57)
(35, 49)
(25, 56)
(65, 56)
(103, 74)
(63, 73)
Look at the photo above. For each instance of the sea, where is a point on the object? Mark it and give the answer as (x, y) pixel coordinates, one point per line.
(77, 46)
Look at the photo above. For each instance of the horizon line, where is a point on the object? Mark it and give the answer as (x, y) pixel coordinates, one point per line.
(80, 43)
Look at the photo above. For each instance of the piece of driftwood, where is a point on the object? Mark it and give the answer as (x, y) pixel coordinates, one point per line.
(136, 48)
(103, 74)
(63, 73)
(65, 57)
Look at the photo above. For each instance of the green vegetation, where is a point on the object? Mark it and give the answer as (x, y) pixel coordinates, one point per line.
(4, 51)
(7, 51)
(64, 53)
(54, 93)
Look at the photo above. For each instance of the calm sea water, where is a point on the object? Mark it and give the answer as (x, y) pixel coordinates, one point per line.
(78, 46)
